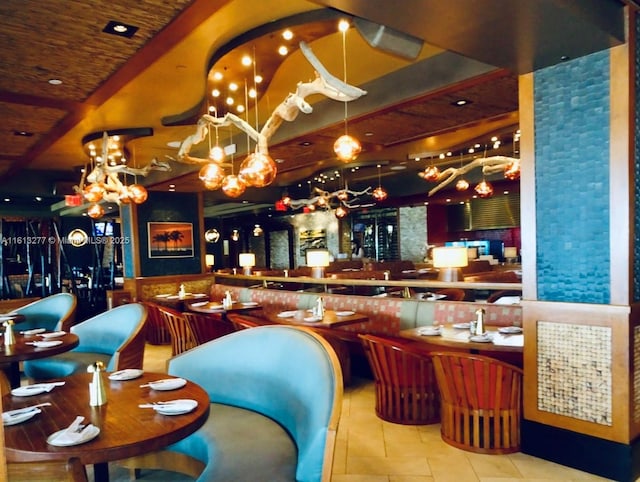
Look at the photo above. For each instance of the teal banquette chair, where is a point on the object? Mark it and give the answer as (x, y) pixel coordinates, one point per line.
(115, 337)
(54, 312)
(276, 397)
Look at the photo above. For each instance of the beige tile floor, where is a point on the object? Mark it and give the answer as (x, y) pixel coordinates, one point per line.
(371, 450)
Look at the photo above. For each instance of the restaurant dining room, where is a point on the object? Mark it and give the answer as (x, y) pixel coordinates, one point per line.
(319, 240)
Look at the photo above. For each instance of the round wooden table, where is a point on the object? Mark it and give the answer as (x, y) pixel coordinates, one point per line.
(12, 355)
(125, 429)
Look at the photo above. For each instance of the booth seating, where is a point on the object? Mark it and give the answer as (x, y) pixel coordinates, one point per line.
(387, 315)
(115, 337)
(54, 313)
(276, 398)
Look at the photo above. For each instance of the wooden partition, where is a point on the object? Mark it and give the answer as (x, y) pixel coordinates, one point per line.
(144, 288)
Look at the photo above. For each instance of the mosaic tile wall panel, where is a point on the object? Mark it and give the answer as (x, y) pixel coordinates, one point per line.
(571, 102)
(413, 233)
(279, 243)
(574, 371)
(636, 167)
(636, 374)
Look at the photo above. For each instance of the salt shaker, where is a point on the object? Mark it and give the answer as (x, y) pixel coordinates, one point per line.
(182, 292)
(319, 312)
(97, 393)
(227, 301)
(480, 321)
(9, 336)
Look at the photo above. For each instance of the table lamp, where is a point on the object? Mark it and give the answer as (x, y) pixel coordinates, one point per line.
(449, 260)
(209, 261)
(318, 259)
(511, 254)
(247, 261)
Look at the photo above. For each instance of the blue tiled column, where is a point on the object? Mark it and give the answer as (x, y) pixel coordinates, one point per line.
(572, 180)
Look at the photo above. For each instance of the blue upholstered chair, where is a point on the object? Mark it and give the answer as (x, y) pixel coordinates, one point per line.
(115, 337)
(55, 312)
(276, 396)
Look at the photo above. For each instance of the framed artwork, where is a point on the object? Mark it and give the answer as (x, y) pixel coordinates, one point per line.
(170, 240)
(312, 239)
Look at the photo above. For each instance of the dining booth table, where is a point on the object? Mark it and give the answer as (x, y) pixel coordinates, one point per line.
(143, 412)
(504, 342)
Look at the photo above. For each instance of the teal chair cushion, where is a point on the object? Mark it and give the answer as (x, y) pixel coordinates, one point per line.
(47, 312)
(100, 338)
(280, 372)
(245, 445)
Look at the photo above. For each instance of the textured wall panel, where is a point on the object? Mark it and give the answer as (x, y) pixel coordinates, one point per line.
(413, 233)
(574, 371)
(572, 180)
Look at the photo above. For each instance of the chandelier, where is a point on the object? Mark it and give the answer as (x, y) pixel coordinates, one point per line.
(259, 169)
(104, 177)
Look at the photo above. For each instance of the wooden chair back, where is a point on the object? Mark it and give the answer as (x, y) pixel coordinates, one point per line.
(208, 327)
(157, 330)
(182, 336)
(406, 387)
(481, 402)
(240, 321)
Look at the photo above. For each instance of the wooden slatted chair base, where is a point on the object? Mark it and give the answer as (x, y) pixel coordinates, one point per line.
(406, 387)
(481, 402)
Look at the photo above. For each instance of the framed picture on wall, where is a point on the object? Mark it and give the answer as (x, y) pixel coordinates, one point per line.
(170, 240)
(312, 239)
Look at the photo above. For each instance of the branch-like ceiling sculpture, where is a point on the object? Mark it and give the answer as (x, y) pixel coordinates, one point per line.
(258, 169)
(490, 165)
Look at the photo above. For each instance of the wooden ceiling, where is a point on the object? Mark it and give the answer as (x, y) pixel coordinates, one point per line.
(158, 79)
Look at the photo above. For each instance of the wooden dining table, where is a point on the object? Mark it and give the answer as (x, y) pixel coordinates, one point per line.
(126, 430)
(331, 318)
(21, 350)
(217, 307)
(460, 338)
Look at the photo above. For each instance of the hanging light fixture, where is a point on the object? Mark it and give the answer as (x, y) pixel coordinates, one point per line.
(232, 186)
(341, 212)
(346, 147)
(431, 173)
(484, 188)
(379, 194)
(212, 175)
(95, 211)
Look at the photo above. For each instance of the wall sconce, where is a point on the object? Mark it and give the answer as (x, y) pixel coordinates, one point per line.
(235, 235)
(257, 230)
(211, 235)
(247, 261)
(209, 261)
(318, 259)
(449, 260)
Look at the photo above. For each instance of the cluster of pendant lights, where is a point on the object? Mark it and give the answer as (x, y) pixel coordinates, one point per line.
(259, 169)
(118, 192)
(483, 189)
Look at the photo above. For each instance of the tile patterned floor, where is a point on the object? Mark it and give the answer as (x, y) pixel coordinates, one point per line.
(371, 450)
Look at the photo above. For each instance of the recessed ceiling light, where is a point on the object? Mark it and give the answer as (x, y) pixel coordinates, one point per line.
(343, 25)
(258, 79)
(23, 133)
(240, 108)
(246, 61)
(368, 134)
(7, 199)
(305, 143)
(55, 81)
(215, 93)
(287, 34)
(461, 102)
(119, 28)
(283, 50)
(217, 76)
(233, 86)
(38, 198)
(172, 186)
